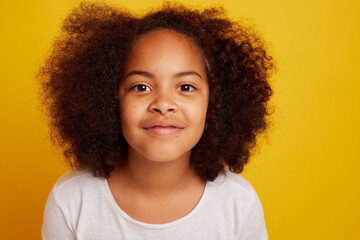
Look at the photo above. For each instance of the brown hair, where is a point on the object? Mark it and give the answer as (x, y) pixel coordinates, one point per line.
(80, 78)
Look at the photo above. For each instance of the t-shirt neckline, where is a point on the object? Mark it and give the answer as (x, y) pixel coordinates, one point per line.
(123, 214)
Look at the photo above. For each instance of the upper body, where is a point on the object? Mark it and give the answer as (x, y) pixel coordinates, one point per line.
(152, 109)
(81, 206)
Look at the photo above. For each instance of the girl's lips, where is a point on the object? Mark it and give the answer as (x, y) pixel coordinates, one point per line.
(163, 131)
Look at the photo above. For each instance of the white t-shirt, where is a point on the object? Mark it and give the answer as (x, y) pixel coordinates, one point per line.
(81, 206)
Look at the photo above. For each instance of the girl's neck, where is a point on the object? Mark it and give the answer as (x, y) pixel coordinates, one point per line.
(157, 178)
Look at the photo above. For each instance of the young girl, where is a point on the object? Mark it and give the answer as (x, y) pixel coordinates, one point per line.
(156, 115)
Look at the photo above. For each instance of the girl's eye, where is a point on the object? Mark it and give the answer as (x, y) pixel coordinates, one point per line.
(140, 88)
(187, 88)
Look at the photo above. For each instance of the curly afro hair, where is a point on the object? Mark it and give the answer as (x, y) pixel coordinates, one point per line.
(79, 84)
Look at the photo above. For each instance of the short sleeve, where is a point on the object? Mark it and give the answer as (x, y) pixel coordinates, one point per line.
(253, 225)
(55, 224)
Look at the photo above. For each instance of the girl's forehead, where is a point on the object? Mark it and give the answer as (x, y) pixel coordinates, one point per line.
(165, 44)
(165, 35)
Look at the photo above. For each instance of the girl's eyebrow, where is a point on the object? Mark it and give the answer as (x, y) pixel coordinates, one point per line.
(149, 75)
(142, 73)
(183, 74)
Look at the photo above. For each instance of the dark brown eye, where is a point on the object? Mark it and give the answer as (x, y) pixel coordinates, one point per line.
(187, 88)
(140, 88)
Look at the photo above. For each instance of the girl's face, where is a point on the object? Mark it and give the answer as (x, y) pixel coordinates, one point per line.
(163, 97)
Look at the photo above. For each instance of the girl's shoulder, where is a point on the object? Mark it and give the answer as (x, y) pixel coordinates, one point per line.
(230, 183)
(76, 192)
(76, 183)
(71, 177)
(233, 199)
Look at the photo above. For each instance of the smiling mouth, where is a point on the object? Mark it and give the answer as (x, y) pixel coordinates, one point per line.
(163, 131)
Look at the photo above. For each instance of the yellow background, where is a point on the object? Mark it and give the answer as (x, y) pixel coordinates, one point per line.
(306, 171)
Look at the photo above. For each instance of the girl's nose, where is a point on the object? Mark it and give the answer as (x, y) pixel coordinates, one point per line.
(164, 104)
